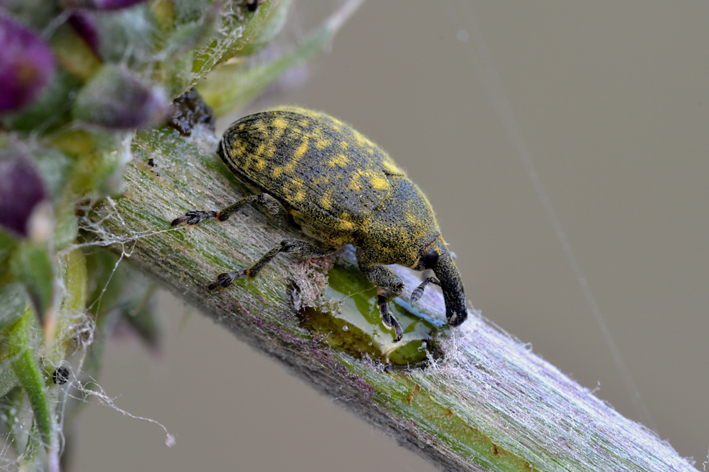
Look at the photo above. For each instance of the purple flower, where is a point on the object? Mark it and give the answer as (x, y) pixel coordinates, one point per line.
(100, 4)
(118, 99)
(21, 190)
(26, 65)
(84, 24)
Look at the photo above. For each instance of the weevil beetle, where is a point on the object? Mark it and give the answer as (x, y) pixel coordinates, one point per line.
(339, 188)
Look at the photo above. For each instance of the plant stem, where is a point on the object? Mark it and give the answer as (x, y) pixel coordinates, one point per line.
(489, 404)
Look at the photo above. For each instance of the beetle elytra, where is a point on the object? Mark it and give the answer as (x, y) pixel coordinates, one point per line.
(340, 188)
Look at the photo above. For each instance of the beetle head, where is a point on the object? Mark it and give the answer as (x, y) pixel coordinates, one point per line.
(437, 257)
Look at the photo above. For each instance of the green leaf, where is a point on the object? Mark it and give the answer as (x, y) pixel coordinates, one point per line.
(11, 407)
(7, 248)
(66, 227)
(126, 36)
(262, 28)
(73, 53)
(24, 364)
(8, 379)
(13, 302)
(225, 90)
(50, 110)
(32, 266)
(55, 168)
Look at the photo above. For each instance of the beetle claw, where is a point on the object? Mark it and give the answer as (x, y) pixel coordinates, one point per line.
(388, 319)
(194, 217)
(418, 291)
(391, 322)
(227, 278)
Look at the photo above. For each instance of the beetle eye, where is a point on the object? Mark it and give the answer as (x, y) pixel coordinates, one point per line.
(429, 259)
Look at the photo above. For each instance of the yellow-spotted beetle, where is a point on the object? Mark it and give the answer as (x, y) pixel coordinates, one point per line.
(340, 188)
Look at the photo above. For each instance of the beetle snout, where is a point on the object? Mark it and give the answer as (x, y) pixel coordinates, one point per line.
(457, 318)
(451, 284)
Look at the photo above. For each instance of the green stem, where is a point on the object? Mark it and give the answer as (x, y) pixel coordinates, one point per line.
(26, 368)
(225, 90)
(489, 404)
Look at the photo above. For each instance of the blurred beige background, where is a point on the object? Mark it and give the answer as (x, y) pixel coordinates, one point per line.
(612, 101)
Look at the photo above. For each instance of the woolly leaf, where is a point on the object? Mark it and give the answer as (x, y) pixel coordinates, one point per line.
(30, 263)
(25, 366)
(13, 302)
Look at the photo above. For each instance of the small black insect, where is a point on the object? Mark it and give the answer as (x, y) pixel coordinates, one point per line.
(61, 375)
(252, 5)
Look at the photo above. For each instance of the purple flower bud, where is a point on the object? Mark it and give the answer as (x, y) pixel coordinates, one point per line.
(100, 4)
(21, 191)
(115, 98)
(26, 65)
(84, 24)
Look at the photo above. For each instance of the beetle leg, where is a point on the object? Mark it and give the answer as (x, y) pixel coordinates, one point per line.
(389, 286)
(290, 246)
(194, 217)
(389, 283)
(273, 206)
(388, 318)
(228, 278)
(418, 291)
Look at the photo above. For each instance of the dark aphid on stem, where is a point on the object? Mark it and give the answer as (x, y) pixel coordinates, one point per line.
(61, 375)
(316, 172)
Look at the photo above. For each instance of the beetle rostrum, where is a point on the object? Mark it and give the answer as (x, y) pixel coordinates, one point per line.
(339, 188)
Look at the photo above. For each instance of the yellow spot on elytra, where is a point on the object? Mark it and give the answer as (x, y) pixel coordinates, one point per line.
(260, 164)
(344, 144)
(302, 149)
(339, 160)
(354, 184)
(299, 196)
(290, 167)
(326, 201)
(280, 123)
(277, 172)
(294, 190)
(292, 186)
(323, 143)
(379, 183)
(270, 150)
